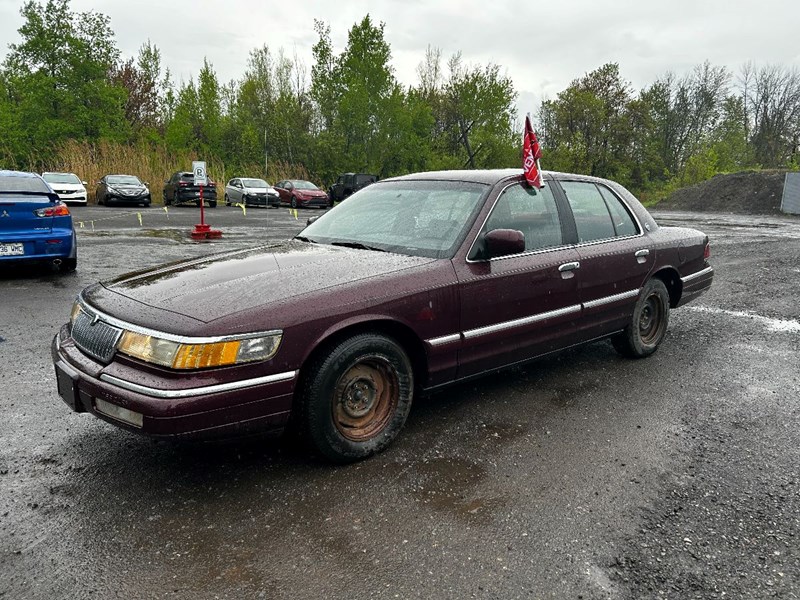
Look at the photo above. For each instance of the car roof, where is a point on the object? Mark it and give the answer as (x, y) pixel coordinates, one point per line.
(8, 173)
(58, 173)
(488, 176)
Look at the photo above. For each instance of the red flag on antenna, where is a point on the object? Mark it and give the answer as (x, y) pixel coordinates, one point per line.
(531, 154)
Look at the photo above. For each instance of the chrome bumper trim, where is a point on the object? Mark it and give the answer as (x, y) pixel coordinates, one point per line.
(198, 391)
(694, 276)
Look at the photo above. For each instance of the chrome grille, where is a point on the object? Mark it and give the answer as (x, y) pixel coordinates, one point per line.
(97, 338)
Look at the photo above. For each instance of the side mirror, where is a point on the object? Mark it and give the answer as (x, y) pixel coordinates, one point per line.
(504, 242)
(146, 184)
(84, 183)
(311, 220)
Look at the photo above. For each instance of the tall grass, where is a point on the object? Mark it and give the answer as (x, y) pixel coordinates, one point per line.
(152, 164)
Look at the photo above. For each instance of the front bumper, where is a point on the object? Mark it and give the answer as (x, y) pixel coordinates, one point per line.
(119, 197)
(72, 197)
(261, 200)
(314, 202)
(169, 407)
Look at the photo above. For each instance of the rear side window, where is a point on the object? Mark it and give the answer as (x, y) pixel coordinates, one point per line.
(624, 224)
(533, 212)
(592, 217)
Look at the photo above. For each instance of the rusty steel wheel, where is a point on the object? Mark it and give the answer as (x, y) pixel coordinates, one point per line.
(356, 396)
(365, 398)
(649, 322)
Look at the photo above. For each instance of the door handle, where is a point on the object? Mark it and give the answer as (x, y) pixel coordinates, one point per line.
(570, 266)
(642, 253)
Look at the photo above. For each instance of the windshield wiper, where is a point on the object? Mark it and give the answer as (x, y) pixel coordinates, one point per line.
(358, 245)
(303, 238)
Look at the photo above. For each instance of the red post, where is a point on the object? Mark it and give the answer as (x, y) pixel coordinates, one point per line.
(202, 231)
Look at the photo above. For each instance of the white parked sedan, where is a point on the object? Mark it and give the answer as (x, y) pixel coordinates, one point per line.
(247, 191)
(69, 188)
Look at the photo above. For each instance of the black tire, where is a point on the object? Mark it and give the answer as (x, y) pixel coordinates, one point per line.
(212, 204)
(648, 326)
(356, 397)
(294, 202)
(227, 200)
(100, 200)
(167, 201)
(69, 264)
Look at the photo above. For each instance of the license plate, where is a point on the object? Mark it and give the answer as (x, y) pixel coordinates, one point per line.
(66, 389)
(12, 249)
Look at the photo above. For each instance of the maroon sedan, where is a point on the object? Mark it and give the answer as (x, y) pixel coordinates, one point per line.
(301, 194)
(412, 284)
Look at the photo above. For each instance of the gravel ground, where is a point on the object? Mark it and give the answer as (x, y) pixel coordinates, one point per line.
(582, 475)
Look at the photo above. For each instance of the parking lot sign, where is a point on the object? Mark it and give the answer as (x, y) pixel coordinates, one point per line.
(199, 170)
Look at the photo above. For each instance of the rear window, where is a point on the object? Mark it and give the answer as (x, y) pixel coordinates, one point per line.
(29, 185)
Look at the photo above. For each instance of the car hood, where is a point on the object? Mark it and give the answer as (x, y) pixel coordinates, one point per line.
(310, 193)
(219, 285)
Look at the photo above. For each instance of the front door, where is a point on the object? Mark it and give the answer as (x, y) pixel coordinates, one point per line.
(516, 307)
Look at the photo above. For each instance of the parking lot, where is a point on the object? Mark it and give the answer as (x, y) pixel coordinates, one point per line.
(582, 475)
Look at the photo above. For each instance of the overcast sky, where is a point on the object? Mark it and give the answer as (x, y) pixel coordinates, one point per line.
(541, 46)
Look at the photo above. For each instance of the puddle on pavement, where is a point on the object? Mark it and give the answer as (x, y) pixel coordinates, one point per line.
(450, 485)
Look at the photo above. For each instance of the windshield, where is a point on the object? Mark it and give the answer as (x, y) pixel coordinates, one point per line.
(304, 185)
(123, 179)
(61, 178)
(254, 183)
(417, 218)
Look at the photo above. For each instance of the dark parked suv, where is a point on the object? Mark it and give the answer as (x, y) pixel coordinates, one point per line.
(349, 183)
(180, 189)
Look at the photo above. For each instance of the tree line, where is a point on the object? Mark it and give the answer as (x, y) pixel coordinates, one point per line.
(68, 97)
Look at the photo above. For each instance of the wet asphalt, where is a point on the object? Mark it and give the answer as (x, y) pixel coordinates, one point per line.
(582, 475)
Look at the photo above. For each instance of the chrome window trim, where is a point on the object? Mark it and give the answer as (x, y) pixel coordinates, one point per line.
(444, 340)
(480, 331)
(527, 253)
(180, 339)
(611, 299)
(694, 276)
(197, 391)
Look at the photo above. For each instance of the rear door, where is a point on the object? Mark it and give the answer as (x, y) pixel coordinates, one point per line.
(615, 257)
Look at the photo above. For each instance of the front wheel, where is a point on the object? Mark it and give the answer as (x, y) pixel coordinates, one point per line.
(648, 326)
(227, 200)
(356, 397)
(294, 202)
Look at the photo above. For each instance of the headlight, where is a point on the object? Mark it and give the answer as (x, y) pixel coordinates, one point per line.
(177, 355)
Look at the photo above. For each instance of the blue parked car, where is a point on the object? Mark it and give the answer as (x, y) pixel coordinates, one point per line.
(34, 224)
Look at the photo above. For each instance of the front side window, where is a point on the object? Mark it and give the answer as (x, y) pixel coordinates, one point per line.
(592, 217)
(533, 212)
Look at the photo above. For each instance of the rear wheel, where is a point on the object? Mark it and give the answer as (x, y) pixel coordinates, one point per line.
(69, 264)
(648, 326)
(356, 397)
(227, 200)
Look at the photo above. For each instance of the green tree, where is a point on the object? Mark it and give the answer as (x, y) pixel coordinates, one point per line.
(58, 76)
(589, 127)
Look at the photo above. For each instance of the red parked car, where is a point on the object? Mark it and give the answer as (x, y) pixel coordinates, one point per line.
(412, 284)
(301, 194)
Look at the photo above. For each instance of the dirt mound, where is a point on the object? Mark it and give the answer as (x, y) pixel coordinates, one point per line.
(748, 193)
